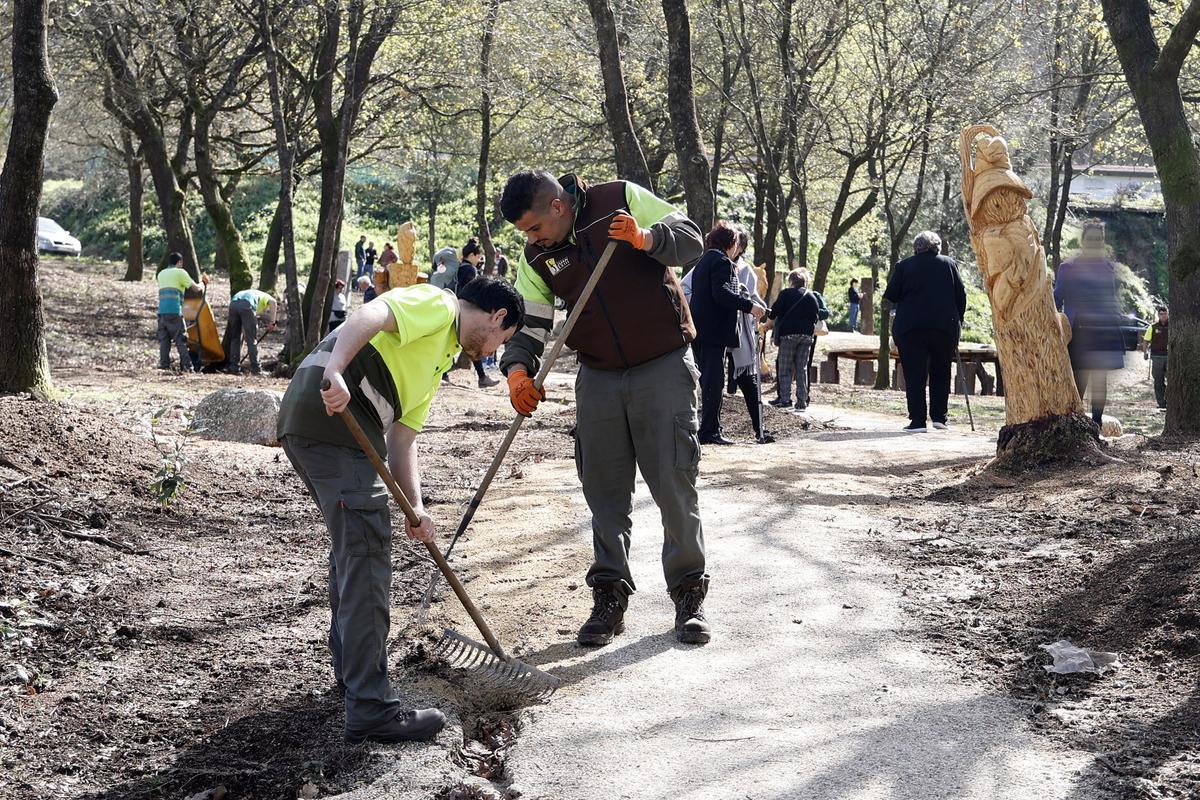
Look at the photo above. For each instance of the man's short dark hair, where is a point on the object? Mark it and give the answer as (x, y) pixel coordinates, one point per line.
(174, 260)
(526, 190)
(490, 295)
(853, 281)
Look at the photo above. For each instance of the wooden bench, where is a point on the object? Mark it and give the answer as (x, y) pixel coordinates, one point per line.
(973, 356)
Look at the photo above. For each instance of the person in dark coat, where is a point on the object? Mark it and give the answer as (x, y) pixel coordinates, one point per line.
(1085, 289)
(793, 319)
(715, 302)
(930, 302)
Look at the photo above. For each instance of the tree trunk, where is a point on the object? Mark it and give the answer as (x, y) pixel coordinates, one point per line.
(1043, 412)
(1067, 175)
(23, 365)
(1153, 76)
(286, 156)
(335, 126)
(630, 160)
(268, 273)
(127, 104)
(134, 257)
(681, 102)
(171, 201)
(229, 239)
(839, 222)
(485, 136)
(432, 232)
(883, 362)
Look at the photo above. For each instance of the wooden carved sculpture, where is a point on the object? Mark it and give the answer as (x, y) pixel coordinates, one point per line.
(403, 272)
(406, 238)
(1031, 336)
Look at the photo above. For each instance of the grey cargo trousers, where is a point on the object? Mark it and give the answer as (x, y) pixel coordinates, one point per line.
(353, 501)
(243, 324)
(643, 418)
(172, 331)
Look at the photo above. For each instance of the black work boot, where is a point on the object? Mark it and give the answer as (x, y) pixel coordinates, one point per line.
(607, 619)
(690, 625)
(420, 724)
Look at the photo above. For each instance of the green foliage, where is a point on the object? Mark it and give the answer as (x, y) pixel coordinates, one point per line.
(169, 481)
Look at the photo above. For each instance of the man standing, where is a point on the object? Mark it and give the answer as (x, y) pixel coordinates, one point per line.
(244, 309)
(173, 281)
(636, 389)
(383, 365)
(501, 263)
(930, 302)
(369, 256)
(360, 257)
(854, 300)
(1155, 348)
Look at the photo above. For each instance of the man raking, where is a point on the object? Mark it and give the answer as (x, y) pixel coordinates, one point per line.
(384, 365)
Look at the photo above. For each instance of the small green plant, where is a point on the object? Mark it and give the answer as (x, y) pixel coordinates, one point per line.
(169, 481)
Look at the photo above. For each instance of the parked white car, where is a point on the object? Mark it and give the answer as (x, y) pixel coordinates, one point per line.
(51, 238)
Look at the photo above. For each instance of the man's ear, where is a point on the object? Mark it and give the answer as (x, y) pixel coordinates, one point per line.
(498, 316)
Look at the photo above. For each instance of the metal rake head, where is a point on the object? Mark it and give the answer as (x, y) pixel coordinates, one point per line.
(506, 674)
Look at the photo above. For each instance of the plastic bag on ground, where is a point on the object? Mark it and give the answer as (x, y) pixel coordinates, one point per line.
(1069, 659)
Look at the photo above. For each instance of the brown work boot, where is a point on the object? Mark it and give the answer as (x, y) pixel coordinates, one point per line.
(607, 619)
(690, 625)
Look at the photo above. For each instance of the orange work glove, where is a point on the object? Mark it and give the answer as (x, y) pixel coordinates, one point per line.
(523, 394)
(625, 228)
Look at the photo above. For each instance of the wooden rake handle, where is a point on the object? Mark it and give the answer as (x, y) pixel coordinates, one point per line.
(547, 364)
(398, 494)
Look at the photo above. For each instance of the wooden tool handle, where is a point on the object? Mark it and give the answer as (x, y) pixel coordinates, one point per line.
(411, 515)
(547, 364)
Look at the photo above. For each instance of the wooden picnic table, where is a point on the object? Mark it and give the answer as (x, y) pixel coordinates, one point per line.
(864, 352)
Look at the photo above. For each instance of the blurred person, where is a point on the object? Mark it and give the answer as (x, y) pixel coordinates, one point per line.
(931, 303)
(501, 263)
(1085, 289)
(367, 288)
(1155, 345)
(388, 256)
(445, 269)
(715, 302)
(337, 310)
(369, 256)
(360, 257)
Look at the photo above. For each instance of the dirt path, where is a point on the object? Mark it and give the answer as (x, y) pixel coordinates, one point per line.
(814, 685)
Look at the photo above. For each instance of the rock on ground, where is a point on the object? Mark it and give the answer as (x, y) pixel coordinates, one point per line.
(239, 415)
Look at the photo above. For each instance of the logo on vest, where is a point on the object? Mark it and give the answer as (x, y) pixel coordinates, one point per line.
(555, 267)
